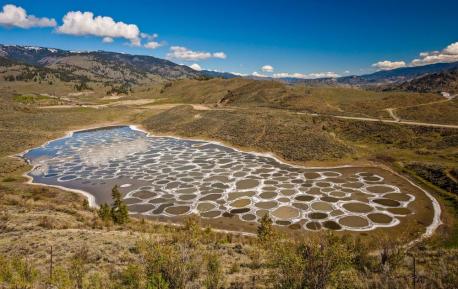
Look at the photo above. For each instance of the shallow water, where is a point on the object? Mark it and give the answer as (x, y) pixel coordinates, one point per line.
(163, 176)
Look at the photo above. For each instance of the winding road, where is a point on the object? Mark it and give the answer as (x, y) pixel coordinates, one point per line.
(149, 103)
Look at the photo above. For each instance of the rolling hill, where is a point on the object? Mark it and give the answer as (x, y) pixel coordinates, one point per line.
(445, 81)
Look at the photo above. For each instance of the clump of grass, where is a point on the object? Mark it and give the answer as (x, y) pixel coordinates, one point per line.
(46, 222)
(9, 179)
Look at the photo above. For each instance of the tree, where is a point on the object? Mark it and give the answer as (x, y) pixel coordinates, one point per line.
(265, 229)
(119, 211)
(104, 212)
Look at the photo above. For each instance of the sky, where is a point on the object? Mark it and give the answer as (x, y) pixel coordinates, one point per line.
(305, 39)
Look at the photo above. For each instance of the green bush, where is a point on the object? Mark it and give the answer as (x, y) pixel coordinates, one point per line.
(435, 174)
(265, 230)
(313, 264)
(104, 212)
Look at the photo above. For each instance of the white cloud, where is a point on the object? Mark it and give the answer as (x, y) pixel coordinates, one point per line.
(328, 74)
(448, 54)
(388, 65)
(306, 76)
(267, 68)
(149, 36)
(152, 45)
(17, 16)
(239, 74)
(452, 49)
(107, 40)
(196, 66)
(84, 23)
(257, 74)
(182, 53)
(220, 55)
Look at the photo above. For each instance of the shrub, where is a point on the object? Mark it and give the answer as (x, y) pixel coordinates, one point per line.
(85, 204)
(156, 281)
(131, 277)
(172, 264)
(78, 268)
(214, 272)
(265, 230)
(314, 264)
(17, 272)
(435, 174)
(9, 179)
(235, 268)
(61, 278)
(46, 222)
(104, 212)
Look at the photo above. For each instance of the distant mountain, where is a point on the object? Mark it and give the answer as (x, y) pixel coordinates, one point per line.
(113, 67)
(396, 75)
(217, 74)
(446, 81)
(384, 78)
(100, 65)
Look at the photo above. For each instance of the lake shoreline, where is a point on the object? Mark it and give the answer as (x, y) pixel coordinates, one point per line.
(428, 232)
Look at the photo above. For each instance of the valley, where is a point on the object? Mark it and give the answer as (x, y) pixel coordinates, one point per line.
(375, 169)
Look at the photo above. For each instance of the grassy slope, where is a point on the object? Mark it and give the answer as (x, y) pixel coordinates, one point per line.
(442, 112)
(326, 100)
(301, 137)
(295, 138)
(52, 216)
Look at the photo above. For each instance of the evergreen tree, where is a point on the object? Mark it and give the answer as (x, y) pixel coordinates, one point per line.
(104, 212)
(119, 212)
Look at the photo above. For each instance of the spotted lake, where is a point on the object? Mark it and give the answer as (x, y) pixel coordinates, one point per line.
(169, 178)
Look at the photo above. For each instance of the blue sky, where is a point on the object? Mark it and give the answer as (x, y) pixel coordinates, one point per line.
(308, 38)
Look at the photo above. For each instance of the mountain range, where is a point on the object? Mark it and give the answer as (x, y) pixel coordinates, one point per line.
(113, 67)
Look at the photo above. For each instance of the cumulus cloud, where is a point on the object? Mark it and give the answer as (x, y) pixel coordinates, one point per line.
(196, 66)
(452, 49)
(84, 23)
(267, 68)
(306, 76)
(388, 65)
(328, 74)
(448, 54)
(152, 45)
(220, 55)
(16, 16)
(239, 74)
(257, 74)
(151, 40)
(182, 53)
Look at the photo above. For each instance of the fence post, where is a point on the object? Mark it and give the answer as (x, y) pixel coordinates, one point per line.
(414, 273)
(50, 268)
